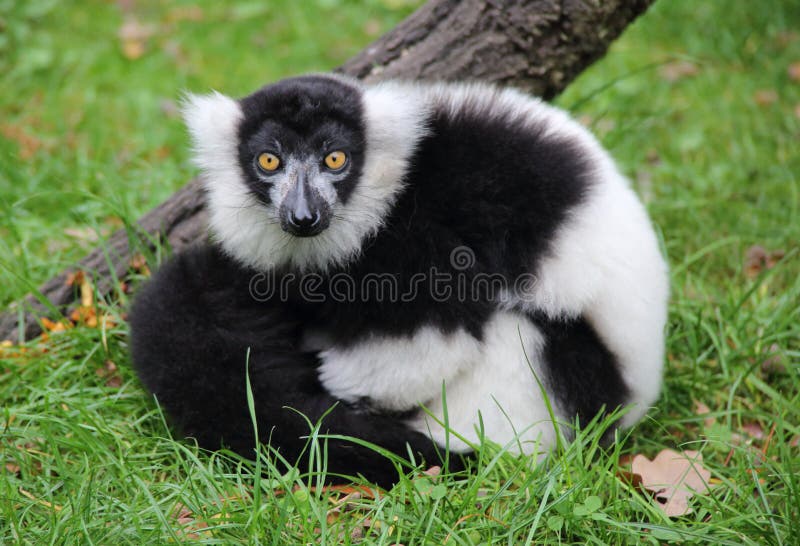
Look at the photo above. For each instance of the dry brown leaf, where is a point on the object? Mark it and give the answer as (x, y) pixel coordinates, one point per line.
(786, 37)
(185, 13)
(74, 279)
(348, 490)
(794, 71)
(133, 36)
(84, 315)
(754, 430)
(773, 363)
(673, 478)
(678, 70)
(765, 97)
(12, 468)
(372, 27)
(28, 144)
(190, 526)
(108, 368)
(702, 409)
(87, 292)
(109, 371)
(169, 108)
(433, 471)
(774, 257)
(757, 259)
(332, 516)
(139, 264)
(51, 326)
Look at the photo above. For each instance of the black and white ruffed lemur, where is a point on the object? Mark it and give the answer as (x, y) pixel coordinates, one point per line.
(548, 269)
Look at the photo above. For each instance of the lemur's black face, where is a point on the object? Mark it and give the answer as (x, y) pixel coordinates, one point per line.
(301, 149)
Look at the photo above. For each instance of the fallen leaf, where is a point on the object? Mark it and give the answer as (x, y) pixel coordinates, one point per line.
(185, 13)
(673, 478)
(702, 409)
(372, 27)
(86, 315)
(139, 264)
(765, 97)
(773, 361)
(12, 468)
(757, 259)
(754, 430)
(794, 71)
(169, 108)
(786, 37)
(332, 516)
(87, 292)
(109, 371)
(74, 279)
(190, 526)
(28, 144)
(134, 35)
(54, 327)
(678, 70)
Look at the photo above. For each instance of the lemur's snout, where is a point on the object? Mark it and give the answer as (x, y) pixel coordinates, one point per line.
(303, 212)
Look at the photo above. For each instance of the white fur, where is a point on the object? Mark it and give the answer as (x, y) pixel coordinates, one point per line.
(606, 265)
(500, 390)
(418, 364)
(491, 378)
(606, 262)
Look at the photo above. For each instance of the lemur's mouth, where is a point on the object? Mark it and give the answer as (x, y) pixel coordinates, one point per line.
(305, 221)
(303, 229)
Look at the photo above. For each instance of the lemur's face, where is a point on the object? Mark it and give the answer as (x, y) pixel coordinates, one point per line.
(301, 172)
(301, 149)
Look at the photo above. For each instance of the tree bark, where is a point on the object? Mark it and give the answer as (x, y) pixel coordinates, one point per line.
(536, 45)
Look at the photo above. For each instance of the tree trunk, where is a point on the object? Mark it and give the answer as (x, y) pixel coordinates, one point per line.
(536, 45)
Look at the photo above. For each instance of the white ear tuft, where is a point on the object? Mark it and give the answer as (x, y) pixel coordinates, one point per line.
(213, 122)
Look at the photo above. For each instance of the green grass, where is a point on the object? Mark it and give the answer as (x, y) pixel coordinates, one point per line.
(89, 139)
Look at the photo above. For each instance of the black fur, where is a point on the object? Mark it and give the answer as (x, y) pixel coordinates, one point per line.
(487, 182)
(467, 188)
(580, 368)
(191, 327)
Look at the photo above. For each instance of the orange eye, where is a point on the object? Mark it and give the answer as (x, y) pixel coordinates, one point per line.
(269, 162)
(335, 160)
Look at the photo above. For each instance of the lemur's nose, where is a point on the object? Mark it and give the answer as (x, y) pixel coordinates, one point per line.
(303, 212)
(303, 218)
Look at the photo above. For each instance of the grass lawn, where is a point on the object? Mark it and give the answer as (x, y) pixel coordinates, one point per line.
(699, 102)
